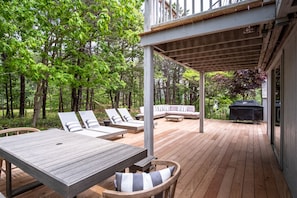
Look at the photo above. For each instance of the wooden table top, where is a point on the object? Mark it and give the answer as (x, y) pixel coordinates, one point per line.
(68, 163)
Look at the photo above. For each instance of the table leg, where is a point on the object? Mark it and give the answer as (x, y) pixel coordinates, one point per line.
(8, 179)
(11, 193)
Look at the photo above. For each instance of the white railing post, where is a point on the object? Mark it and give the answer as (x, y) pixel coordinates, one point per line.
(157, 13)
(201, 5)
(148, 16)
(170, 10)
(185, 8)
(163, 10)
(177, 8)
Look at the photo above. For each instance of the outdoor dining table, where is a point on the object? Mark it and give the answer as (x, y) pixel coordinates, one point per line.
(66, 162)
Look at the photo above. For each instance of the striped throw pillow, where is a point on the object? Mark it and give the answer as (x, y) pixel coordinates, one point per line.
(73, 126)
(127, 118)
(116, 119)
(92, 123)
(130, 182)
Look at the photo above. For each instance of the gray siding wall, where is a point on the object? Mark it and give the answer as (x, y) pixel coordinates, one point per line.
(290, 112)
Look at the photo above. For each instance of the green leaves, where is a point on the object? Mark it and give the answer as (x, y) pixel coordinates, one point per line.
(191, 75)
(71, 43)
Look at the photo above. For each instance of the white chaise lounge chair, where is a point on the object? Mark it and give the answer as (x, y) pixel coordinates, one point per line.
(117, 121)
(90, 121)
(126, 116)
(71, 123)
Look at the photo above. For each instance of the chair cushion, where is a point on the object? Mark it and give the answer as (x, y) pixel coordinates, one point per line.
(130, 182)
(73, 126)
(117, 119)
(92, 123)
(127, 118)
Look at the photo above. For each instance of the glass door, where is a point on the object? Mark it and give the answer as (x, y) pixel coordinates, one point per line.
(276, 112)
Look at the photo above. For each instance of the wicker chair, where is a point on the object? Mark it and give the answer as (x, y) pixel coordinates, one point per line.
(167, 188)
(14, 131)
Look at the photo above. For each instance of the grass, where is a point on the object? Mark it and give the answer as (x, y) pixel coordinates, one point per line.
(52, 121)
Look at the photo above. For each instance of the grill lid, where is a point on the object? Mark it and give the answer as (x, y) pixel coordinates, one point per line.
(245, 103)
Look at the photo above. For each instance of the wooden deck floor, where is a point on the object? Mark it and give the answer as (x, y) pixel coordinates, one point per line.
(228, 160)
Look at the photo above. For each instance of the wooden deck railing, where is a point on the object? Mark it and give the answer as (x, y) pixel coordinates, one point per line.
(166, 10)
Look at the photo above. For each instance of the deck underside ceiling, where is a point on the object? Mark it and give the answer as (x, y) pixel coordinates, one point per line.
(240, 40)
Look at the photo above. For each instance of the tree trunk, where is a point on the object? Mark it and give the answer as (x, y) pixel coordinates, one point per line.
(129, 100)
(79, 99)
(11, 96)
(7, 101)
(167, 85)
(140, 87)
(87, 99)
(186, 93)
(174, 81)
(22, 96)
(191, 88)
(37, 103)
(159, 92)
(167, 91)
(73, 99)
(61, 105)
(92, 104)
(117, 99)
(111, 99)
(44, 93)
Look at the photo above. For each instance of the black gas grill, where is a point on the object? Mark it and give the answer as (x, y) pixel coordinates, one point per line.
(248, 110)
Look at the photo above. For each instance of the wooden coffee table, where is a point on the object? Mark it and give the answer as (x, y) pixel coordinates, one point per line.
(175, 118)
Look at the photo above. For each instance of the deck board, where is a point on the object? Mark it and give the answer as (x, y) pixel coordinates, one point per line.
(228, 160)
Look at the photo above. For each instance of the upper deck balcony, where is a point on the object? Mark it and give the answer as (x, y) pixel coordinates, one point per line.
(217, 35)
(172, 10)
(164, 12)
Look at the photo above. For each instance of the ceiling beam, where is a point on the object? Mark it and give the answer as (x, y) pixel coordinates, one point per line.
(213, 54)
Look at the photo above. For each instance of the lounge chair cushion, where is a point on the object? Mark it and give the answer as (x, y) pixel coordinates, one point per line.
(73, 126)
(127, 118)
(117, 119)
(92, 123)
(130, 182)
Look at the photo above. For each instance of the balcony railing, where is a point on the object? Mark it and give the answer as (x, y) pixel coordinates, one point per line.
(168, 10)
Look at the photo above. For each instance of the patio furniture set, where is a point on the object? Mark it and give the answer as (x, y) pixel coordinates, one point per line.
(70, 163)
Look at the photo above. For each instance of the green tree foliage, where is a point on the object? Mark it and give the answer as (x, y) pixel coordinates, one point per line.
(240, 83)
(191, 86)
(245, 82)
(175, 84)
(82, 45)
(17, 46)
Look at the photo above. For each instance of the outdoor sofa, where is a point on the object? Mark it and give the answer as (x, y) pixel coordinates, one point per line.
(160, 111)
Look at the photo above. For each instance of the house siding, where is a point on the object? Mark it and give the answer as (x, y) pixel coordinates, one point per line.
(290, 112)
